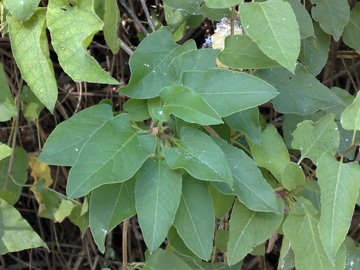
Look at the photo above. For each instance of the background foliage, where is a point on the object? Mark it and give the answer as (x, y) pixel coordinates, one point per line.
(217, 134)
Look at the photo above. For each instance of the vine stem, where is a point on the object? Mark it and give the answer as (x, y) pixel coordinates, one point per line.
(124, 244)
(232, 20)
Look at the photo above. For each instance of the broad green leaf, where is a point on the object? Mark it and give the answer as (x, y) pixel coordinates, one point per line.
(195, 219)
(16, 233)
(301, 93)
(332, 15)
(157, 196)
(301, 228)
(33, 57)
(7, 104)
(109, 206)
(111, 25)
(222, 3)
(351, 35)
(188, 105)
(194, 60)
(5, 151)
(312, 193)
(279, 35)
(65, 142)
(249, 184)
(33, 106)
(352, 255)
(222, 203)
(156, 110)
(165, 260)
(339, 185)
(303, 18)
(150, 64)
(12, 184)
(178, 244)
(70, 42)
(137, 109)
(293, 176)
(249, 229)
(315, 138)
(22, 10)
(52, 205)
(271, 153)
(315, 51)
(215, 14)
(80, 216)
(228, 91)
(200, 156)
(247, 122)
(112, 155)
(241, 52)
(350, 117)
(286, 258)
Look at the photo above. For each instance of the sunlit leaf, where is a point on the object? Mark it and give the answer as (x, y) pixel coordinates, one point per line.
(111, 25)
(35, 67)
(70, 42)
(279, 35)
(16, 233)
(22, 10)
(7, 104)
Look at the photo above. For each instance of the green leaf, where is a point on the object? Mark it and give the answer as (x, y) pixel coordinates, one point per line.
(157, 195)
(215, 14)
(249, 229)
(189, 6)
(35, 67)
(16, 233)
(178, 244)
(301, 228)
(249, 184)
(165, 260)
(293, 176)
(188, 105)
(303, 18)
(111, 25)
(228, 91)
(7, 104)
(287, 258)
(315, 51)
(80, 216)
(339, 185)
(150, 63)
(155, 107)
(222, 203)
(301, 93)
(352, 255)
(109, 206)
(313, 139)
(5, 151)
(22, 10)
(271, 153)
(65, 142)
(350, 117)
(351, 35)
(221, 239)
(222, 3)
(12, 184)
(52, 205)
(241, 52)
(137, 109)
(279, 35)
(194, 60)
(200, 156)
(33, 106)
(70, 42)
(119, 153)
(332, 15)
(195, 219)
(247, 122)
